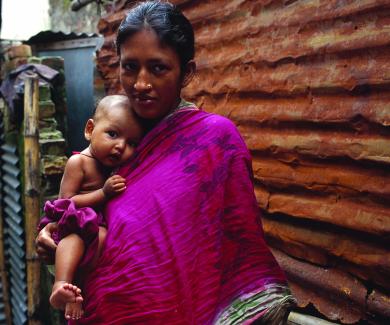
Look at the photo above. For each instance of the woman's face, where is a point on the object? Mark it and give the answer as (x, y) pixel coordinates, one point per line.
(150, 74)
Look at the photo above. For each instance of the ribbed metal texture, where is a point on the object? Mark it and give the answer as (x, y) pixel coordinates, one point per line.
(2, 305)
(14, 235)
(307, 84)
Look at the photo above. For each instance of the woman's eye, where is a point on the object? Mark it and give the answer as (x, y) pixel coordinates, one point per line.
(159, 68)
(112, 134)
(130, 66)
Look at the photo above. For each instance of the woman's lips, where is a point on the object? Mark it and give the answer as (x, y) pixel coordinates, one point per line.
(141, 97)
(144, 100)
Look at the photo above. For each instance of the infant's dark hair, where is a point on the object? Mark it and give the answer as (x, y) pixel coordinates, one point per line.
(108, 102)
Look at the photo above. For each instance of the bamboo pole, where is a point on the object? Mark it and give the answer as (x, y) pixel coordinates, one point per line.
(31, 193)
(3, 272)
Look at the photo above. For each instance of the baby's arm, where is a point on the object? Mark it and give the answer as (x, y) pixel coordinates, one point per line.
(73, 178)
(72, 181)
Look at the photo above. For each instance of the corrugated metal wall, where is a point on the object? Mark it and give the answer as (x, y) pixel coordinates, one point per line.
(4, 303)
(307, 83)
(14, 235)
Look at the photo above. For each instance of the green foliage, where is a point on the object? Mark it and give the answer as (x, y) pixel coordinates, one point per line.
(67, 3)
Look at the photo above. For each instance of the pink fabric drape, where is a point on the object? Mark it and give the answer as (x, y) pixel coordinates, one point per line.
(185, 238)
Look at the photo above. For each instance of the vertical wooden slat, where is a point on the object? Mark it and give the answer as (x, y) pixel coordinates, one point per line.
(31, 192)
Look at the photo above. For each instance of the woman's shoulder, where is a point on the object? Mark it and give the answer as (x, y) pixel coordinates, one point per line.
(221, 130)
(219, 123)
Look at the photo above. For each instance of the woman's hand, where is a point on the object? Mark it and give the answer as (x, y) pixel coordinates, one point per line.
(45, 245)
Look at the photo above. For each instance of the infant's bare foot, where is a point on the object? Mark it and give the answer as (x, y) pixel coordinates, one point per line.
(73, 310)
(63, 293)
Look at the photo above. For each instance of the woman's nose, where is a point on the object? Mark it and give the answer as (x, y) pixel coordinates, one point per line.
(142, 83)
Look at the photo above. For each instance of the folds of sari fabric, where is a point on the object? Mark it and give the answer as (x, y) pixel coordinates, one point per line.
(84, 222)
(184, 240)
(268, 306)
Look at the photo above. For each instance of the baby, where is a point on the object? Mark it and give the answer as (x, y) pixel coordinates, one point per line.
(88, 183)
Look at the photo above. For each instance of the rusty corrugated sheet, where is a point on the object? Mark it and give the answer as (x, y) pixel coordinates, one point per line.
(313, 284)
(49, 36)
(5, 312)
(306, 82)
(14, 232)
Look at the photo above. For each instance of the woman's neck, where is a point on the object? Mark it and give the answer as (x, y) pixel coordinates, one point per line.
(149, 124)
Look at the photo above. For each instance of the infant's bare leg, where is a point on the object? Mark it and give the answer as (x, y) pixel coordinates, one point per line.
(74, 310)
(102, 237)
(68, 255)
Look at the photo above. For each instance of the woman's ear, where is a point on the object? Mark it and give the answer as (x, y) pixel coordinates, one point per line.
(88, 129)
(189, 73)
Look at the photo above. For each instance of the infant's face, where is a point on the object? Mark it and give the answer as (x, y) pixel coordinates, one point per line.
(115, 136)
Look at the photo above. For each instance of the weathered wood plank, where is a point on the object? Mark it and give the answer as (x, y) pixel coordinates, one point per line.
(31, 193)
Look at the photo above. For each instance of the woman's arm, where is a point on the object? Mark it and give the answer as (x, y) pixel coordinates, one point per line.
(45, 245)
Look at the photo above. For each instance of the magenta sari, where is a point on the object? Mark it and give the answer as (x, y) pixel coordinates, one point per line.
(185, 239)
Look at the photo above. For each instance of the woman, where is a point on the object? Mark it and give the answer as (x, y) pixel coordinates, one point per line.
(184, 242)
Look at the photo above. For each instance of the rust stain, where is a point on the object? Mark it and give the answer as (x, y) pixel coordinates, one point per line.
(307, 83)
(322, 177)
(317, 283)
(334, 109)
(332, 71)
(344, 212)
(355, 250)
(301, 252)
(318, 143)
(379, 303)
(271, 46)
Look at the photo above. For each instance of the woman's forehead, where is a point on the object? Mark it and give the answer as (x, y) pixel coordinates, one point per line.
(146, 43)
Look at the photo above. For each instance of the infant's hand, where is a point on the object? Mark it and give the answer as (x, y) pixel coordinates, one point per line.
(114, 185)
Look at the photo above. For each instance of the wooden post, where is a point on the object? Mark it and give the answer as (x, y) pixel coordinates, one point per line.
(31, 193)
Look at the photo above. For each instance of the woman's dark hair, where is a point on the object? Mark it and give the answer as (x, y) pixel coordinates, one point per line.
(167, 21)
